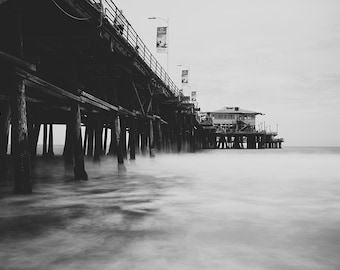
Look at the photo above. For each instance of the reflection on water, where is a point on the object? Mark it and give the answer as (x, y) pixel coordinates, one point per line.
(220, 209)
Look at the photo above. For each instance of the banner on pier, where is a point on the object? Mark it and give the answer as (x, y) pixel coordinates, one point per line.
(193, 96)
(185, 76)
(162, 43)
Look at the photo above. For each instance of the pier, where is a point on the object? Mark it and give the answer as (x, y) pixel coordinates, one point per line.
(82, 65)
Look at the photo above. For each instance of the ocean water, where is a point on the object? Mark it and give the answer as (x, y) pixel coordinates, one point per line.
(217, 209)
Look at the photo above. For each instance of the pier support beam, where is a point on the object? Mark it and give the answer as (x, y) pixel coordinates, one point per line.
(98, 146)
(5, 114)
(179, 132)
(44, 153)
(113, 140)
(143, 137)
(260, 142)
(151, 139)
(119, 146)
(105, 140)
(159, 135)
(90, 136)
(132, 138)
(78, 153)
(251, 142)
(50, 152)
(33, 134)
(19, 139)
(68, 146)
(123, 135)
(238, 142)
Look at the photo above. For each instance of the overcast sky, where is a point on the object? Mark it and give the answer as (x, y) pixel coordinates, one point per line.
(279, 57)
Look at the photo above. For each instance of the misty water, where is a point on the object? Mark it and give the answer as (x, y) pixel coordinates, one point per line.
(217, 209)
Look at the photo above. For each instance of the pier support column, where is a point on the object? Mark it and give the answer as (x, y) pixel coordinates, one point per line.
(237, 142)
(123, 135)
(50, 152)
(251, 142)
(98, 146)
(113, 140)
(90, 137)
(260, 141)
(179, 132)
(78, 153)
(137, 136)
(19, 139)
(68, 146)
(5, 115)
(143, 137)
(119, 146)
(33, 134)
(159, 140)
(151, 139)
(105, 140)
(132, 138)
(44, 152)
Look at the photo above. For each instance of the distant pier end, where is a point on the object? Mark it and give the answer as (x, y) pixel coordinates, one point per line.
(233, 127)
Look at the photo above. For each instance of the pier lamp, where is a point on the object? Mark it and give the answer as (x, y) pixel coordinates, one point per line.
(168, 33)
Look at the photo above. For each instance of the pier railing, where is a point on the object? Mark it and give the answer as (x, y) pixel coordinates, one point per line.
(110, 12)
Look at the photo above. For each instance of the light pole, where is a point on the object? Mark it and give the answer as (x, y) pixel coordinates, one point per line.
(168, 33)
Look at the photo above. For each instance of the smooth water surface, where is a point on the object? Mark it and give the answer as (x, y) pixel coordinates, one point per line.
(218, 209)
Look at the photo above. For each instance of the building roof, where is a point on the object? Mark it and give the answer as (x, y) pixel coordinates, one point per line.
(235, 110)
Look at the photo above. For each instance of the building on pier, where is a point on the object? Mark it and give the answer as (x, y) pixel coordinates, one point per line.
(234, 119)
(233, 127)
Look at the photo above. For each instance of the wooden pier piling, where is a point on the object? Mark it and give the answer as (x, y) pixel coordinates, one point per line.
(5, 116)
(78, 152)
(19, 139)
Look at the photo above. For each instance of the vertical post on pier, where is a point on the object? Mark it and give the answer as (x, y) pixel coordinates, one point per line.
(151, 139)
(105, 140)
(34, 139)
(119, 146)
(143, 137)
(78, 153)
(98, 146)
(19, 133)
(192, 134)
(21, 155)
(90, 133)
(50, 142)
(123, 136)
(159, 135)
(132, 138)
(137, 136)
(68, 146)
(236, 144)
(86, 135)
(179, 132)
(113, 140)
(45, 140)
(263, 141)
(251, 143)
(5, 114)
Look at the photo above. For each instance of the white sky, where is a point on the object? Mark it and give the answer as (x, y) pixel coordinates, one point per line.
(279, 57)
